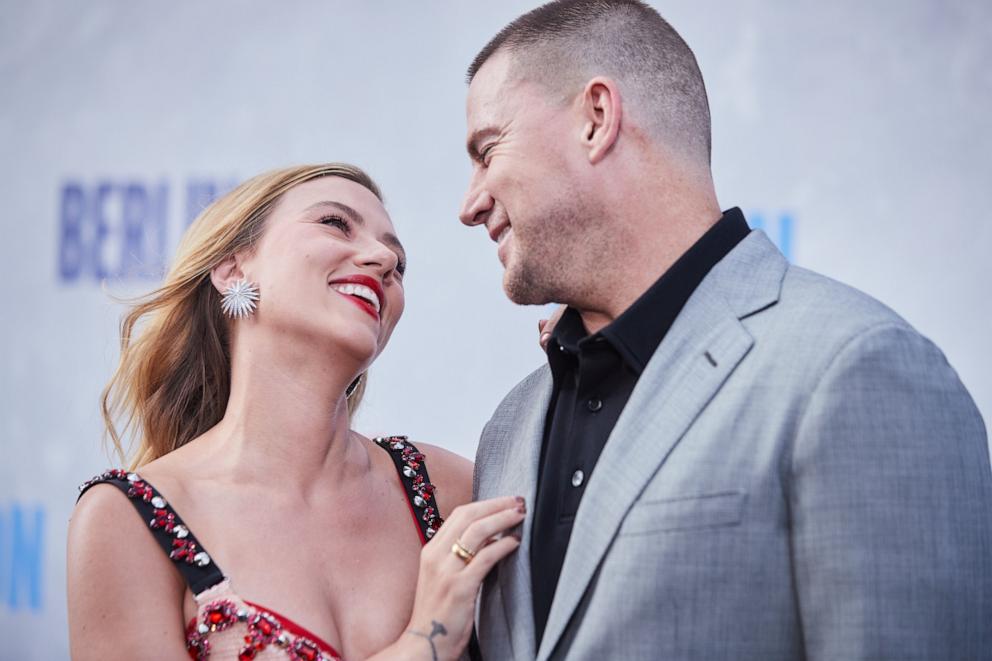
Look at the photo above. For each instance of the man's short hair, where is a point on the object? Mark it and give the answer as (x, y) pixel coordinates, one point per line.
(564, 43)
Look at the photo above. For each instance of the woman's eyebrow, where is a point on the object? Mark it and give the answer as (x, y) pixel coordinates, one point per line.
(340, 206)
(388, 237)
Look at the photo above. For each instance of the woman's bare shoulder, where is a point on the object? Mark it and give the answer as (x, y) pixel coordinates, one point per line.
(124, 595)
(104, 521)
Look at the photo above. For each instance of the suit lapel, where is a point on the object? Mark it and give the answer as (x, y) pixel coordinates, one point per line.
(701, 350)
(524, 438)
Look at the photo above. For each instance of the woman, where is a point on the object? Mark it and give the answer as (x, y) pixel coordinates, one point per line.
(268, 527)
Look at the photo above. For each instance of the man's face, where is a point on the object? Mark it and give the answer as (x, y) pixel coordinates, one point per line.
(524, 150)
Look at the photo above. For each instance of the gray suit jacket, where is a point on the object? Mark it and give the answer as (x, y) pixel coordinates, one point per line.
(797, 475)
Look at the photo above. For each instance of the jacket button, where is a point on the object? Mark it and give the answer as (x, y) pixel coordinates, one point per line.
(577, 478)
(594, 404)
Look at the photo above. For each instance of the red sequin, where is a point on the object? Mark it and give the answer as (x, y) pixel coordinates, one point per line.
(141, 490)
(197, 646)
(304, 650)
(163, 519)
(263, 629)
(412, 457)
(219, 615)
(184, 550)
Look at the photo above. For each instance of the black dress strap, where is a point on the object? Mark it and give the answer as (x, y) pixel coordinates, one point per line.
(410, 465)
(420, 494)
(197, 568)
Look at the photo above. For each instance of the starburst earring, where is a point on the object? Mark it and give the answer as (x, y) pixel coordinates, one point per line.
(239, 299)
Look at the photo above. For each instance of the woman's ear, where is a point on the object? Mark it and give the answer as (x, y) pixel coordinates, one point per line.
(602, 110)
(226, 273)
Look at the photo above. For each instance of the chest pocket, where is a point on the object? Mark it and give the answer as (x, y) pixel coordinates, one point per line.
(713, 510)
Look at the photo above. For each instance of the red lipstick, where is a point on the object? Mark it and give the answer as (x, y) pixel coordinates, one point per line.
(365, 281)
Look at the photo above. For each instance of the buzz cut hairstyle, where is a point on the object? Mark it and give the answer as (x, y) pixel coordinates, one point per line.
(564, 43)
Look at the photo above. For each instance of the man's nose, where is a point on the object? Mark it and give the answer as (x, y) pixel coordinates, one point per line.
(475, 207)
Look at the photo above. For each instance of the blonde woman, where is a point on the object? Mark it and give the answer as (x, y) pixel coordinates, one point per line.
(254, 522)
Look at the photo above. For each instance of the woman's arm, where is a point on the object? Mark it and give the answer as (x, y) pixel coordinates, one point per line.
(125, 598)
(447, 585)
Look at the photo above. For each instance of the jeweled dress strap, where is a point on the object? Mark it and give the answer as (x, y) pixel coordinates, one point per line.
(193, 562)
(412, 470)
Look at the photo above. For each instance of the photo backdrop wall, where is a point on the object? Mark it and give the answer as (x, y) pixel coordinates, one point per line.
(856, 134)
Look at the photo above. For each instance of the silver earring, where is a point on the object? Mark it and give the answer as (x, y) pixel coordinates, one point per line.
(239, 299)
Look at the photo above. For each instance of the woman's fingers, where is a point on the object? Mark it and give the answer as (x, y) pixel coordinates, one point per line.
(487, 557)
(479, 532)
(463, 515)
(473, 527)
(546, 326)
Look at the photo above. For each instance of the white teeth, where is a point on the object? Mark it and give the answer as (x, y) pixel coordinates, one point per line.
(360, 291)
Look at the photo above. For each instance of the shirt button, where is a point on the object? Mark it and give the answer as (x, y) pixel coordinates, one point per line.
(594, 404)
(577, 478)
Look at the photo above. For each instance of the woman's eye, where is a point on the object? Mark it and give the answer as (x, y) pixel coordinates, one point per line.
(337, 221)
(401, 267)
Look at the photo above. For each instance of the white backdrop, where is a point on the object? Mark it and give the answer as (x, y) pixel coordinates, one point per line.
(856, 133)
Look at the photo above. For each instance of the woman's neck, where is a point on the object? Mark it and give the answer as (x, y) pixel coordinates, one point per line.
(287, 419)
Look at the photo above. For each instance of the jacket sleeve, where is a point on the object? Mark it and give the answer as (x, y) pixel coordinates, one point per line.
(890, 496)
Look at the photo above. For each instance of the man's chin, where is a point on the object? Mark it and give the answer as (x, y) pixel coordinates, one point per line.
(523, 291)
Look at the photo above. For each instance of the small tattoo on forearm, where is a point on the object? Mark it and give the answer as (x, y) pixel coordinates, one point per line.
(437, 629)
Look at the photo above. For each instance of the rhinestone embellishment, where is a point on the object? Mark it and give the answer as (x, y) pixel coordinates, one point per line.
(412, 469)
(183, 549)
(304, 650)
(218, 616)
(165, 520)
(140, 489)
(197, 645)
(263, 630)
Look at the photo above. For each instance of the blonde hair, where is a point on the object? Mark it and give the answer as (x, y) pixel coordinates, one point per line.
(174, 377)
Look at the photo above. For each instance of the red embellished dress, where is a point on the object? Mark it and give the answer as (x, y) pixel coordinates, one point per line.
(227, 626)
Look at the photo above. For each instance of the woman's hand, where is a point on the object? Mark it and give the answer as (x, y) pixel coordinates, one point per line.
(546, 326)
(452, 566)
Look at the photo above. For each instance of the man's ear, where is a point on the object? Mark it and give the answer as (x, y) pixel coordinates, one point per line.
(602, 110)
(226, 273)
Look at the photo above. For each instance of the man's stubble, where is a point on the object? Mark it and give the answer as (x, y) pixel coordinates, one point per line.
(560, 255)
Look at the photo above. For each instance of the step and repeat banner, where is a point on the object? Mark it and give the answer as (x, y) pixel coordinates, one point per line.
(855, 134)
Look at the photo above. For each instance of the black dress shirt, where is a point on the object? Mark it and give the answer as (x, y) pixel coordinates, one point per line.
(593, 378)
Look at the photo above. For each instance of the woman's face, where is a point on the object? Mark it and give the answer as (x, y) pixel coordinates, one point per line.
(329, 269)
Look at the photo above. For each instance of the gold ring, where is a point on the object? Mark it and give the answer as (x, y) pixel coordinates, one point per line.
(464, 554)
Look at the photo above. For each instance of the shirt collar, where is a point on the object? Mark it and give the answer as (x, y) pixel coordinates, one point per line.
(638, 331)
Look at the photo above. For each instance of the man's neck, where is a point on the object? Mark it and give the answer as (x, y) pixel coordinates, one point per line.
(615, 289)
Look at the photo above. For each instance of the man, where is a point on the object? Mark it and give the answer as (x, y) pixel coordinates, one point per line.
(726, 457)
